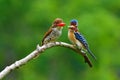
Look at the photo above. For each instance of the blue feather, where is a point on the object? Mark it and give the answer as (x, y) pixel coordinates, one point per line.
(74, 22)
(83, 41)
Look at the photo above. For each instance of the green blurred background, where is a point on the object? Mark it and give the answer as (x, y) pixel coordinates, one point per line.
(24, 22)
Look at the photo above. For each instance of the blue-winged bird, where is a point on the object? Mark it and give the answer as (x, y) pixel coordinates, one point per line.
(77, 38)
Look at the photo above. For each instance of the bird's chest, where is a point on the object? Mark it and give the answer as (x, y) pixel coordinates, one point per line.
(55, 33)
(72, 38)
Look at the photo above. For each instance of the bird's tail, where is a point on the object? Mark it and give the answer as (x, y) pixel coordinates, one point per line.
(91, 54)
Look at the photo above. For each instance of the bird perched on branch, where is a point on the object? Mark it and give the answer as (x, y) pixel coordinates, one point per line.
(54, 31)
(77, 38)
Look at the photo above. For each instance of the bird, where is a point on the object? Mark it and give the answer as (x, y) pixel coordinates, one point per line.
(54, 31)
(77, 38)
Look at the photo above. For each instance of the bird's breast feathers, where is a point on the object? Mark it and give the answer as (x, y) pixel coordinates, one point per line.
(72, 38)
(55, 33)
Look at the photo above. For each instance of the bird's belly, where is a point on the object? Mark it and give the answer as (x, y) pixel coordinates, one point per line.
(79, 45)
(56, 34)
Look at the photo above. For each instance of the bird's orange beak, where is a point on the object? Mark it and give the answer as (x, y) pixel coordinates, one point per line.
(61, 25)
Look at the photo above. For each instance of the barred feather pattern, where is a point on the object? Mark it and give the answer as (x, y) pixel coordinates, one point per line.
(83, 41)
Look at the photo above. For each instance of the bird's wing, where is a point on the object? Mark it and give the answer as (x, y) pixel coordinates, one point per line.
(46, 34)
(80, 38)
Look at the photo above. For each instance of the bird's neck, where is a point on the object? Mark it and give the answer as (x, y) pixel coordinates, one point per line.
(59, 28)
(76, 30)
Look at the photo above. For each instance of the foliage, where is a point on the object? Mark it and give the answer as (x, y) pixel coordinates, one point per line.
(24, 22)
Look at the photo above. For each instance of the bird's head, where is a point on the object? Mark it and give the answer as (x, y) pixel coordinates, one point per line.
(73, 28)
(58, 22)
(74, 22)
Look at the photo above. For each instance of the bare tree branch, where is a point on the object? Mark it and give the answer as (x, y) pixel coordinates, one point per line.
(37, 52)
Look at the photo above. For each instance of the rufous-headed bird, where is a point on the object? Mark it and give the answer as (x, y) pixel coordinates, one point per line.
(77, 38)
(54, 31)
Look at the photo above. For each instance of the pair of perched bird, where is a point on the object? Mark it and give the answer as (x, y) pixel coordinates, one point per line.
(74, 35)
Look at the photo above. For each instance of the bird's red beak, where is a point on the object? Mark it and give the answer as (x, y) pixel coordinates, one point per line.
(61, 25)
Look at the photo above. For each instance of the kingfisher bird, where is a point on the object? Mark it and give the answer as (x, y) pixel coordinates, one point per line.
(54, 31)
(77, 38)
